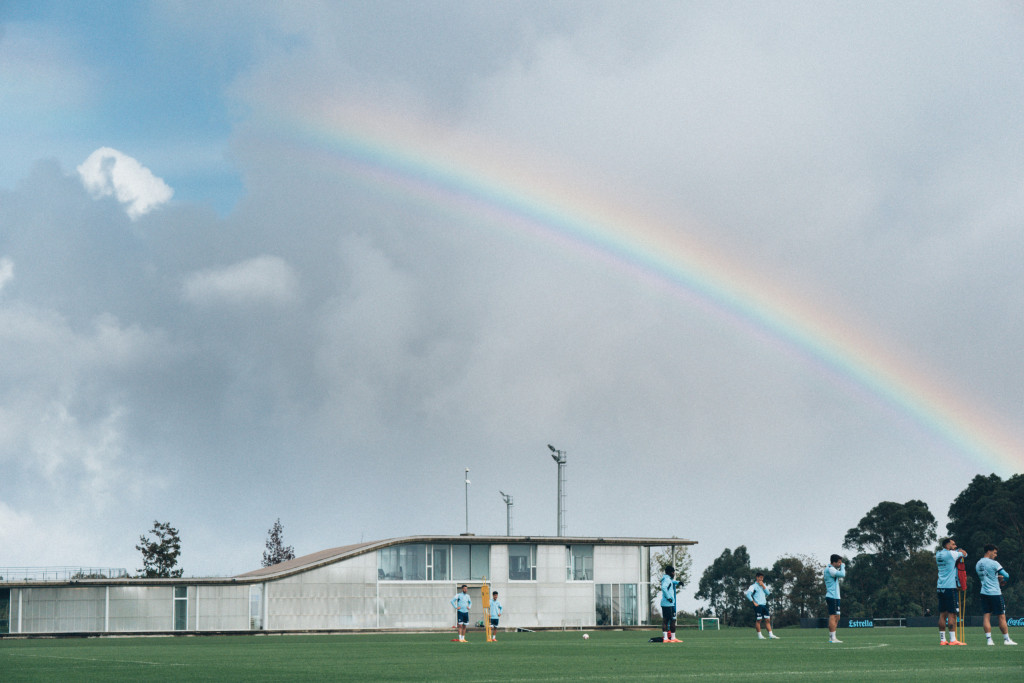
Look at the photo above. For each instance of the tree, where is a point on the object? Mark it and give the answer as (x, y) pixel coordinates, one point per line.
(893, 574)
(893, 531)
(679, 557)
(160, 555)
(277, 551)
(723, 583)
(915, 580)
(991, 510)
(877, 588)
(796, 589)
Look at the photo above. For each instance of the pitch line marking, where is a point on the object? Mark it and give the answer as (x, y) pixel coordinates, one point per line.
(57, 656)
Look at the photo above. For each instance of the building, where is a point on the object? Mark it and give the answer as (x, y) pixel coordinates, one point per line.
(399, 583)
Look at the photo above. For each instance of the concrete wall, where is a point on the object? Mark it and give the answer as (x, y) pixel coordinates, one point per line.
(219, 608)
(342, 595)
(58, 609)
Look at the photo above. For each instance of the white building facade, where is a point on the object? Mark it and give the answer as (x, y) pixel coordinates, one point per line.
(401, 583)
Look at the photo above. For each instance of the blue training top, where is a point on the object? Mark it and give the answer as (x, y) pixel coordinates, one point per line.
(988, 571)
(832, 576)
(495, 609)
(462, 601)
(668, 591)
(757, 594)
(946, 562)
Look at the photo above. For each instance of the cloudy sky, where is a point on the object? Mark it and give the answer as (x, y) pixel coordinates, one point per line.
(754, 266)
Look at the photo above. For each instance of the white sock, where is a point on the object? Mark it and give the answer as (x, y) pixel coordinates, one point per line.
(664, 635)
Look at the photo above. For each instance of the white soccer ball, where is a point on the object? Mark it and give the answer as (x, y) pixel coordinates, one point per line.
(586, 636)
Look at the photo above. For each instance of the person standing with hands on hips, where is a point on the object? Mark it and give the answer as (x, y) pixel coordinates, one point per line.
(496, 611)
(949, 607)
(462, 602)
(835, 571)
(758, 594)
(668, 605)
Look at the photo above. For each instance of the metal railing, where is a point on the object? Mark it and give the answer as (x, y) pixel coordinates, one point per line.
(60, 573)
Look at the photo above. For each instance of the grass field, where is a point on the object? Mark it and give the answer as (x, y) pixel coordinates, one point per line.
(726, 655)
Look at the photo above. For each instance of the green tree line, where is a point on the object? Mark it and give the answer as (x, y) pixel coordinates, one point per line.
(892, 570)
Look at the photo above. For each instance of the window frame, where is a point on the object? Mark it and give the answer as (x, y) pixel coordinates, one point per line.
(531, 560)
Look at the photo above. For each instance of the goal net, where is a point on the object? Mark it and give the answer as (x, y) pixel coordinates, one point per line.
(709, 623)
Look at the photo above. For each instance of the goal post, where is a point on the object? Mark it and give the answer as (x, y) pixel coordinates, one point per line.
(711, 624)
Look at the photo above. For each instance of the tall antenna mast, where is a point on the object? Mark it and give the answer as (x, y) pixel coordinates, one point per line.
(508, 512)
(559, 457)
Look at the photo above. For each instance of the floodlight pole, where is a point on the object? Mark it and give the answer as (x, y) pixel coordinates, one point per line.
(467, 501)
(508, 512)
(559, 457)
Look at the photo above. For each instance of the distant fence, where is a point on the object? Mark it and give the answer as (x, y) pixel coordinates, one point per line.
(60, 573)
(911, 622)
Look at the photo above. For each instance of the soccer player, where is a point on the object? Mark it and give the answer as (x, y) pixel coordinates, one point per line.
(835, 571)
(668, 605)
(758, 594)
(991, 573)
(949, 607)
(496, 611)
(462, 602)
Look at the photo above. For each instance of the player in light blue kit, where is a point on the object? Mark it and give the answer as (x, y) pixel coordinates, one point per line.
(758, 594)
(496, 611)
(835, 571)
(462, 602)
(668, 605)
(992, 574)
(946, 558)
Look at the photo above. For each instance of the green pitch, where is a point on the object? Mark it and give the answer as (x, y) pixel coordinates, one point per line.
(726, 655)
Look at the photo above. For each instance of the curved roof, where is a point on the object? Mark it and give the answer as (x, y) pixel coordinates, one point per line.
(332, 555)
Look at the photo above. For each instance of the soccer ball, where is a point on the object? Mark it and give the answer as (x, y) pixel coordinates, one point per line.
(586, 636)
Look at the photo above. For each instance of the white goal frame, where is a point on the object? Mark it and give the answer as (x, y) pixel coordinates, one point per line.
(714, 619)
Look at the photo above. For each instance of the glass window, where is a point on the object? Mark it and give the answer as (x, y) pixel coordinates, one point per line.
(460, 562)
(579, 563)
(429, 562)
(603, 599)
(471, 562)
(480, 562)
(522, 562)
(616, 604)
(402, 562)
(5, 610)
(256, 607)
(438, 558)
(180, 608)
(629, 604)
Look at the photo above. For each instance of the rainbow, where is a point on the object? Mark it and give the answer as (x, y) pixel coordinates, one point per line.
(425, 163)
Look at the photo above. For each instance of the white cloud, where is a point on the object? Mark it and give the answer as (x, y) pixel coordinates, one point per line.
(14, 526)
(6, 272)
(108, 172)
(264, 279)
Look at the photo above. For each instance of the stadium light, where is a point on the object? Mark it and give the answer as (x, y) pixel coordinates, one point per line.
(508, 512)
(559, 457)
(467, 501)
